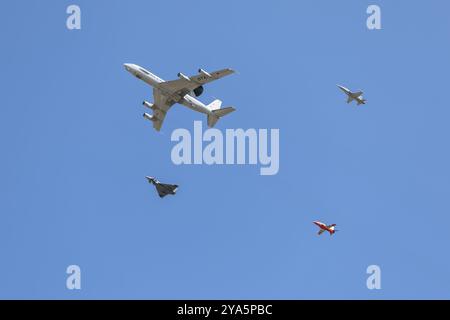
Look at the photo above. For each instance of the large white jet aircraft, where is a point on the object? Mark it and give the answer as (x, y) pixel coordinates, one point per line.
(182, 91)
(353, 95)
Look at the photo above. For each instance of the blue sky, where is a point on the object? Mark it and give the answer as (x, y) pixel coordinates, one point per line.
(75, 150)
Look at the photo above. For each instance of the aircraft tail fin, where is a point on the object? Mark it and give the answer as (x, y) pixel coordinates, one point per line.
(216, 104)
(216, 114)
(362, 101)
(332, 229)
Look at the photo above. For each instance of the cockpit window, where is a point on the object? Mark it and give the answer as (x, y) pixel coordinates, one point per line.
(144, 71)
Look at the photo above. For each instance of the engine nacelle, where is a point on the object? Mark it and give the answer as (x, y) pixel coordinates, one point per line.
(148, 105)
(198, 91)
(182, 76)
(203, 72)
(150, 117)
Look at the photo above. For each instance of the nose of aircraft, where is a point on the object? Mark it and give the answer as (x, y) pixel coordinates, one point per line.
(342, 88)
(127, 66)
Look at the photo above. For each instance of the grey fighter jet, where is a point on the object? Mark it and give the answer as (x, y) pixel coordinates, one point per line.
(162, 188)
(353, 95)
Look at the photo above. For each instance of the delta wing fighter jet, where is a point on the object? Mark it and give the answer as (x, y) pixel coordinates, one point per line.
(323, 227)
(353, 95)
(162, 188)
(183, 91)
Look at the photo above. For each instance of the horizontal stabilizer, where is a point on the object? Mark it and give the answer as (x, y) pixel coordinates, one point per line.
(223, 112)
(217, 114)
(363, 101)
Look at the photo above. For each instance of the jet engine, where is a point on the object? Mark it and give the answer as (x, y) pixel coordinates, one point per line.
(182, 76)
(148, 104)
(203, 72)
(150, 117)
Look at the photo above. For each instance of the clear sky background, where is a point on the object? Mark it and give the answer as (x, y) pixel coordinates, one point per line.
(75, 150)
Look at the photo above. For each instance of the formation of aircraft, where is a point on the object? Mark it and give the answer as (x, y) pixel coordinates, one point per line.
(357, 96)
(162, 188)
(183, 91)
(323, 227)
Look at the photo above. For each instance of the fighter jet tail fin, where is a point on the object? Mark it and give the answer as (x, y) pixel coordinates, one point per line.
(217, 114)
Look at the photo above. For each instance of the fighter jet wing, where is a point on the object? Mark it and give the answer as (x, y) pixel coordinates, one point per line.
(183, 86)
(320, 231)
(165, 189)
(162, 105)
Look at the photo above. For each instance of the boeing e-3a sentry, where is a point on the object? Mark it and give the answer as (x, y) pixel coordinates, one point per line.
(183, 91)
(357, 96)
(323, 227)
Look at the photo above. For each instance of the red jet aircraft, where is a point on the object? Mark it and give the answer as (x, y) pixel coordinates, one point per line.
(323, 227)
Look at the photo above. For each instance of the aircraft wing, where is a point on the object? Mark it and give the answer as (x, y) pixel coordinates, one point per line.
(165, 189)
(162, 105)
(183, 86)
(321, 231)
